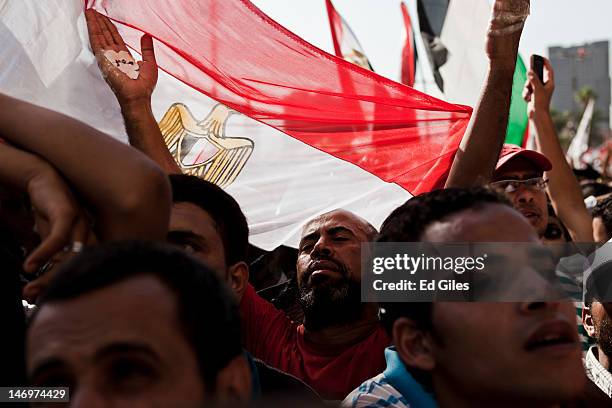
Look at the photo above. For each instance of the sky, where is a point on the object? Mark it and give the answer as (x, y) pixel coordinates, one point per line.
(378, 25)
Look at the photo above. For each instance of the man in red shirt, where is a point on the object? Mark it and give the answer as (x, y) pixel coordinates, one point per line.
(341, 341)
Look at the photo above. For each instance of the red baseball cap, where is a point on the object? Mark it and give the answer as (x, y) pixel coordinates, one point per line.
(510, 152)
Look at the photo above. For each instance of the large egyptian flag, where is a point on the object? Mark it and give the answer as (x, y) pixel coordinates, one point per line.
(246, 104)
(346, 44)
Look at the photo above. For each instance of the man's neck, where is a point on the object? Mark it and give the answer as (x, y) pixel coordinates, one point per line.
(346, 333)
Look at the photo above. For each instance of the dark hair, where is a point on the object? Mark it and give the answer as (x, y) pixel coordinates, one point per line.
(594, 189)
(408, 222)
(222, 208)
(598, 286)
(207, 310)
(588, 173)
(603, 210)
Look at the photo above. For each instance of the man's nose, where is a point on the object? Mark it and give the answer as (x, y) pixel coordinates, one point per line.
(544, 306)
(524, 195)
(322, 247)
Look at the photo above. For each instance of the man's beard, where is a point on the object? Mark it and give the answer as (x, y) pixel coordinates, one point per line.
(331, 303)
(604, 336)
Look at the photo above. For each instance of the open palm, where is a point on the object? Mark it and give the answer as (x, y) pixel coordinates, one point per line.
(103, 36)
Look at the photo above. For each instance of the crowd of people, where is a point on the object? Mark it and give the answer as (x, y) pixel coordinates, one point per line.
(137, 276)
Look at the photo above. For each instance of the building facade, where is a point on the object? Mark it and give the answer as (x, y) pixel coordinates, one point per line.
(582, 66)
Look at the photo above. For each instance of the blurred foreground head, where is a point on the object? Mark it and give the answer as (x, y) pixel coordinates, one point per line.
(481, 354)
(138, 324)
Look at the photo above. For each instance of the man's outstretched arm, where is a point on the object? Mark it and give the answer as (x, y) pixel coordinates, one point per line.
(479, 150)
(134, 95)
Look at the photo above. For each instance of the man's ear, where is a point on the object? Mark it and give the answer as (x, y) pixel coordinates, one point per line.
(234, 384)
(587, 320)
(238, 275)
(413, 345)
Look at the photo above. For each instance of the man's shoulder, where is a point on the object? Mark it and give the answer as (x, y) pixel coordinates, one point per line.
(375, 392)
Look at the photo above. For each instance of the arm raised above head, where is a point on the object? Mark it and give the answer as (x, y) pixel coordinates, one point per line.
(563, 188)
(480, 147)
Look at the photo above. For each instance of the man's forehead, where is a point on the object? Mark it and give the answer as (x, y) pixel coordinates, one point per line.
(107, 315)
(189, 218)
(332, 220)
(518, 168)
(126, 300)
(517, 175)
(489, 222)
(192, 213)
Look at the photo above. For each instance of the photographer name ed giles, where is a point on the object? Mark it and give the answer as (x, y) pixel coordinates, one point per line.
(423, 285)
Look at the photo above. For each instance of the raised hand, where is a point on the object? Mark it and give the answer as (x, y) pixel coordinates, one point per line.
(479, 151)
(104, 37)
(538, 94)
(505, 29)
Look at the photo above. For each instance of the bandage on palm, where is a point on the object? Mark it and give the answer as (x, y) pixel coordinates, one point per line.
(124, 62)
(508, 16)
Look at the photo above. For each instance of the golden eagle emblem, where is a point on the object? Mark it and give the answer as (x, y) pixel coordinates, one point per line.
(201, 148)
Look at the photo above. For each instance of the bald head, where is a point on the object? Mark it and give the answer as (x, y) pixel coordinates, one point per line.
(347, 219)
(335, 237)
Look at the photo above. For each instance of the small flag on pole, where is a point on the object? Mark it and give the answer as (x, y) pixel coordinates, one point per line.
(580, 142)
(408, 50)
(346, 45)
